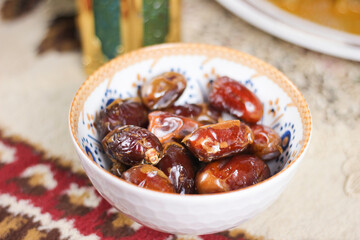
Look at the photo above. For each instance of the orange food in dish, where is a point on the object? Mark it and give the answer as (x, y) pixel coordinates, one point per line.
(342, 15)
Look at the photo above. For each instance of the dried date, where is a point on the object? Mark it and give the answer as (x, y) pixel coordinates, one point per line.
(119, 113)
(167, 126)
(148, 176)
(118, 168)
(202, 113)
(231, 173)
(267, 143)
(179, 165)
(162, 91)
(214, 141)
(231, 96)
(132, 145)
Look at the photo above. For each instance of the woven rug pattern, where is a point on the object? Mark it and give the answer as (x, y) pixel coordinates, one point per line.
(41, 198)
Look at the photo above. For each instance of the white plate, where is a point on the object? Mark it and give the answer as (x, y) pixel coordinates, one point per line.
(286, 26)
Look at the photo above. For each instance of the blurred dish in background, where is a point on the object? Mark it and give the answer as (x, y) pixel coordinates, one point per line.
(343, 15)
(339, 14)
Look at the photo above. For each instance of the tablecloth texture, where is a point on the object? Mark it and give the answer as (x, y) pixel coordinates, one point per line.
(44, 193)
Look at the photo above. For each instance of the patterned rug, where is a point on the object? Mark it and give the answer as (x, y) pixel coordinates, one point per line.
(41, 198)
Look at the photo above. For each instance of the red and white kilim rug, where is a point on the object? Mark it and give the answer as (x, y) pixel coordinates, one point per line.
(41, 198)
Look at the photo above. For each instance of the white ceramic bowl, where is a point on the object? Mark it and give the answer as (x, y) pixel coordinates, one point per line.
(285, 110)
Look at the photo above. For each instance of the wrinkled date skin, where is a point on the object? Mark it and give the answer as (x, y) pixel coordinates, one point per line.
(233, 97)
(167, 126)
(267, 143)
(202, 113)
(132, 145)
(214, 141)
(162, 91)
(232, 173)
(150, 177)
(179, 165)
(120, 113)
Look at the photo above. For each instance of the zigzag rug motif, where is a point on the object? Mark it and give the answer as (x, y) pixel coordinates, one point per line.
(42, 199)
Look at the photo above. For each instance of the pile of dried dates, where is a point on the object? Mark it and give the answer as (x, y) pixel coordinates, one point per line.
(188, 149)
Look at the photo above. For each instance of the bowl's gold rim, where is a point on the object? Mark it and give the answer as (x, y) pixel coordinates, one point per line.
(211, 51)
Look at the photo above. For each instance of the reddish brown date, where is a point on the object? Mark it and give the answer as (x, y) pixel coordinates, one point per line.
(132, 145)
(233, 97)
(162, 91)
(211, 142)
(167, 126)
(232, 173)
(179, 165)
(150, 177)
(267, 143)
(202, 113)
(119, 113)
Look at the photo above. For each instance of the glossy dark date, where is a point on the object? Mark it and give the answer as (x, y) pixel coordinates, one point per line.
(179, 165)
(202, 113)
(162, 91)
(214, 141)
(132, 145)
(267, 143)
(167, 126)
(119, 113)
(150, 177)
(233, 97)
(232, 173)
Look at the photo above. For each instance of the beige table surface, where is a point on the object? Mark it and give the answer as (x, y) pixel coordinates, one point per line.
(323, 199)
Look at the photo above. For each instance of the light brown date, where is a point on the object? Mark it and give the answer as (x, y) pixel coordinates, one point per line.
(179, 165)
(167, 126)
(162, 91)
(132, 145)
(150, 177)
(231, 96)
(214, 141)
(119, 113)
(232, 173)
(267, 143)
